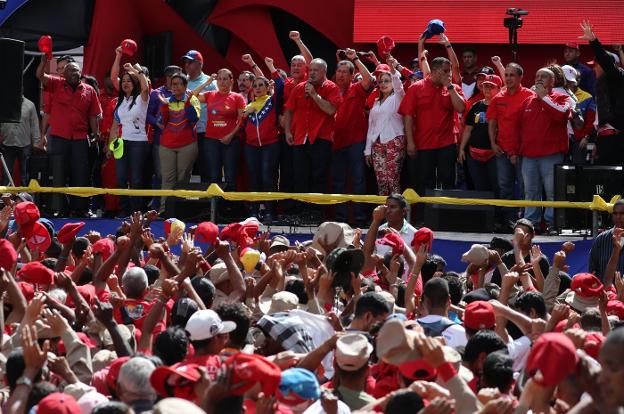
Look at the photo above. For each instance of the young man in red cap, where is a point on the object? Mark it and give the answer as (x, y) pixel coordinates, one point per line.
(350, 133)
(544, 142)
(430, 112)
(571, 55)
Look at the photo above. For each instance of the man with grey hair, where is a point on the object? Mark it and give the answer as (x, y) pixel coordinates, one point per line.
(309, 127)
(543, 136)
(133, 384)
(134, 284)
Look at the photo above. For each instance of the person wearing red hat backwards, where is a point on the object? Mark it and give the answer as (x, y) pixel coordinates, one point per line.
(479, 155)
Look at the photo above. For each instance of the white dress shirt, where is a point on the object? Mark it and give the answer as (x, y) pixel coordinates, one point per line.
(384, 122)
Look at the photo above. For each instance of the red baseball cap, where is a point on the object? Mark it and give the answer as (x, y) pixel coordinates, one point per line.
(69, 231)
(418, 370)
(128, 47)
(395, 241)
(37, 236)
(113, 373)
(381, 68)
(385, 44)
(26, 213)
(479, 315)
(45, 44)
(28, 290)
(8, 255)
(180, 378)
(572, 45)
(616, 308)
(554, 356)
(207, 232)
(252, 368)
(231, 232)
(494, 80)
(592, 344)
(586, 285)
(193, 55)
(36, 273)
(423, 235)
(58, 403)
(105, 247)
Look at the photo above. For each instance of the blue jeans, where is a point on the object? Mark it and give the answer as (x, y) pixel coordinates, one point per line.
(311, 163)
(262, 164)
(130, 171)
(70, 165)
(349, 162)
(539, 175)
(218, 157)
(508, 174)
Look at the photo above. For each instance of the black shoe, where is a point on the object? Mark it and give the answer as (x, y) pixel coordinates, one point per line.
(551, 231)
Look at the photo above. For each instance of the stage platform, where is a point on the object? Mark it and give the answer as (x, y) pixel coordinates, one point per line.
(450, 245)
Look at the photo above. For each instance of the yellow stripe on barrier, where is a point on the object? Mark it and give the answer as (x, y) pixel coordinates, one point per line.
(597, 203)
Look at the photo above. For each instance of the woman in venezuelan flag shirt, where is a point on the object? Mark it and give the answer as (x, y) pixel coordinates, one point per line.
(220, 149)
(261, 130)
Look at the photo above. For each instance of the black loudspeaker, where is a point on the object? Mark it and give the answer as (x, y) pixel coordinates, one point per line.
(448, 217)
(158, 51)
(196, 209)
(567, 180)
(603, 180)
(11, 68)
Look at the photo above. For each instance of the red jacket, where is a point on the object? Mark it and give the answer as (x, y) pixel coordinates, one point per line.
(543, 125)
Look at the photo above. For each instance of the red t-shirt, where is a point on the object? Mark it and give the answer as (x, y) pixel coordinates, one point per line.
(289, 85)
(222, 112)
(543, 125)
(108, 103)
(351, 123)
(72, 108)
(212, 363)
(435, 120)
(505, 109)
(308, 120)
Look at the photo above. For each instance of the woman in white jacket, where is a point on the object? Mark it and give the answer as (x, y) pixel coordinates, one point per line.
(385, 141)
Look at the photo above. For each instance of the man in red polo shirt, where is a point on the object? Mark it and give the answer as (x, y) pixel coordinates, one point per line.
(309, 126)
(74, 115)
(430, 112)
(542, 126)
(502, 116)
(350, 134)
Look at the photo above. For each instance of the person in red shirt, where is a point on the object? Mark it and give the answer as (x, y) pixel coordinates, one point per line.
(262, 137)
(75, 111)
(544, 142)
(502, 116)
(430, 113)
(309, 125)
(350, 134)
(221, 148)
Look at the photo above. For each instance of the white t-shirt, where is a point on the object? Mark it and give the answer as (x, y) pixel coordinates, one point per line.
(519, 351)
(455, 335)
(132, 120)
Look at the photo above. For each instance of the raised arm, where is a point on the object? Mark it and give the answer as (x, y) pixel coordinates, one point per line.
(254, 67)
(498, 64)
(452, 57)
(137, 71)
(198, 91)
(115, 68)
(303, 49)
(367, 78)
(422, 57)
(40, 73)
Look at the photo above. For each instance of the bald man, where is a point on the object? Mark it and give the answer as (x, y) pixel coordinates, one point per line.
(544, 142)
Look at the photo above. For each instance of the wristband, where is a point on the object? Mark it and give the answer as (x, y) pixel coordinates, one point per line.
(450, 87)
(255, 65)
(354, 59)
(449, 46)
(447, 371)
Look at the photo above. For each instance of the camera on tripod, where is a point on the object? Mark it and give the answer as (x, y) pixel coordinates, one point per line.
(514, 22)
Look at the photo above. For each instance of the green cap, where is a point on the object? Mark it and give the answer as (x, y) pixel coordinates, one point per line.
(117, 148)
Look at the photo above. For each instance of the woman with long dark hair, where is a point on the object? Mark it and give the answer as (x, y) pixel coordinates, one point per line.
(128, 139)
(262, 147)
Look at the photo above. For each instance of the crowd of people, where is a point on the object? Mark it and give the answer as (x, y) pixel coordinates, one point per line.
(232, 320)
(302, 132)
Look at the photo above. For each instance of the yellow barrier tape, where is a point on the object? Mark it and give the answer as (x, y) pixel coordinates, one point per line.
(598, 203)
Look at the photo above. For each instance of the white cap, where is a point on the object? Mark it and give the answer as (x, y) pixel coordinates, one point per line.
(477, 255)
(352, 351)
(570, 73)
(206, 324)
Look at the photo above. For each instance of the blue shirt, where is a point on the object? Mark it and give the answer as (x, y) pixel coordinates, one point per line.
(203, 116)
(588, 79)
